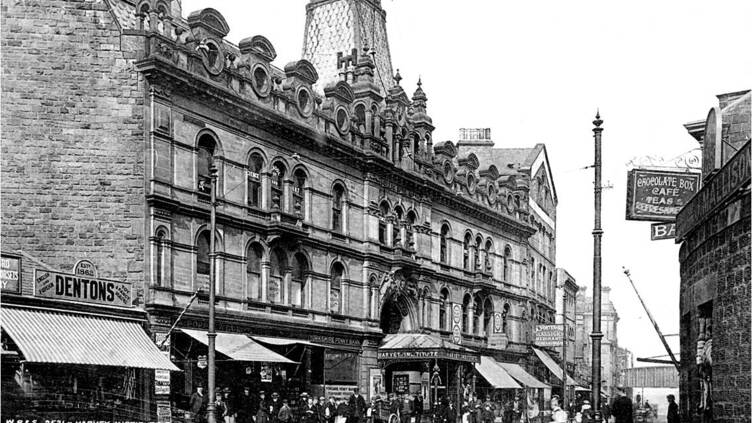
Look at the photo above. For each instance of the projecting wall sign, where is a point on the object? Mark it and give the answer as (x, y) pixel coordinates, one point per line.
(659, 195)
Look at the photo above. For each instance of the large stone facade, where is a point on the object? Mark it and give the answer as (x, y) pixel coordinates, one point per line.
(339, 220)
(714, 232)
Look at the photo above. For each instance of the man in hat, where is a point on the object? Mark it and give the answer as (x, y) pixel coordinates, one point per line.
(587, 415)
(516, 408)
(673, 410)
(622, 407)
(308, 412)
(357, 406)
(246, 406)
(263, 409)
(198, 404)
(450, 413)
(230, 410)
(274, 406)
(285, 413)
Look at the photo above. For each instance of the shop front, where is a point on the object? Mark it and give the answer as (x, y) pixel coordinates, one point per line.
(425, 365)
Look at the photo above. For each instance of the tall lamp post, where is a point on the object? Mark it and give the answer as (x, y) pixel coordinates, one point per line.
(596, 335)
(212, 335)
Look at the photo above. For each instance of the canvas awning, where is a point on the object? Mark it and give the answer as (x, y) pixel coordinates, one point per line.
(270, 340)
(523, 377)
(552, 366)
(238, 347)
(46, 336)
(495, 374)
(422, 346)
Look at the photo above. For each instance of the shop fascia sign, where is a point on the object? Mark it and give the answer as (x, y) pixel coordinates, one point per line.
(81, 287)
(734, 175)
(427, 354)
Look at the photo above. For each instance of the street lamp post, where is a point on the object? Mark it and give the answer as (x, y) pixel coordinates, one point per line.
(564, 349)
(596, 335)
(212, 335)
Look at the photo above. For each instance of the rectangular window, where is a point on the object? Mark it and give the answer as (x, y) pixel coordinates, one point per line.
(254, 189)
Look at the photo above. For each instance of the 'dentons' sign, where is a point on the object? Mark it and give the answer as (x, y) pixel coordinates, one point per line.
(659, 195)
(50, 284)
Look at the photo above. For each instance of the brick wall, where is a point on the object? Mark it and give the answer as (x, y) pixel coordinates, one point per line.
(721, 267)
(72, 138)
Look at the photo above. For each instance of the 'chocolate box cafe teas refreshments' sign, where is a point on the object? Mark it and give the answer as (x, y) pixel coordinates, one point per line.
(659, 195)
(50, 284)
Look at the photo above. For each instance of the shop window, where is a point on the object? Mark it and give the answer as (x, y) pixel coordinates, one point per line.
(278, 186)
(255, 167)
(204, 161)
(159, 262)
(335, 292)
(466, 251)
(298, 281)
(443, 305)
(253, 271)
(278, 264)
(338, 203)
(477, 315)
(384, 211)
(488, 317)
(505, 261)
(298, 193)
(465, 313)
(443, 247)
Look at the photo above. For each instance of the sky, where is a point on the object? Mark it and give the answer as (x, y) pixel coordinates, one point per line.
(536, 72)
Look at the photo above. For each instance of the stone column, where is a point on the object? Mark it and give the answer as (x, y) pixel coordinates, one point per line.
(265, 270)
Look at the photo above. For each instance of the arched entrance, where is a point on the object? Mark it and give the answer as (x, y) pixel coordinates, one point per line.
(397, 315)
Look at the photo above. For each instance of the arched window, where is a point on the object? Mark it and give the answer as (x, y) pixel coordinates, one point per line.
(384, 211)
(466, 251)
(504, 315)
(338, 205)
(159, 262)
(532, 273)
(374, 121)
(278, 186)
(443, 247)
(255, 166)
(335, 292)
(298, 193)
(477, 251)
(298, 281)
(477, 314)
(488, 252)
(253, 271)
(506, 258)
(409, 232)
(443, 305)
(465, 313)
(488, 317)
(416, 145)
(396, 238)
(204, 161)
(372, 283)
(360, 117)
(202, 256)
(278, 263)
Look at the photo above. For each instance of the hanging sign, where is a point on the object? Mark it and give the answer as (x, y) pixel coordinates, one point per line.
(50, 284)
(659, 231)
(659, 195)
(161, 382)
(549, 335)
(456, 327)
(202, 362)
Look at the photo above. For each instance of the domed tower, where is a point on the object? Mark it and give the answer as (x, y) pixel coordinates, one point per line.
(337, 31)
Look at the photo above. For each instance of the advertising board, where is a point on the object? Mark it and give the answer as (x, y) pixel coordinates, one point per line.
(549, 335)
(50, 284)
(10, 273)
(658, 195)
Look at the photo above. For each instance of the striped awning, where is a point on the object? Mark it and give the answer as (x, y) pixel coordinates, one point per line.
(45, 336)
(270, 340)
(239, 347)
(525, 378)
(552, 366)
(495, 374)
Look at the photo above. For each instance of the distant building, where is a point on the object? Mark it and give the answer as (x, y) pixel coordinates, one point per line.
(610, 351)
(714, 232)
(566, 311)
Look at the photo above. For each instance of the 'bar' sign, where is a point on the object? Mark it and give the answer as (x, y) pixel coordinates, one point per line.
(659, 231)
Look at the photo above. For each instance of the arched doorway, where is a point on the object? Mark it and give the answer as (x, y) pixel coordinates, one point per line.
(397, 315)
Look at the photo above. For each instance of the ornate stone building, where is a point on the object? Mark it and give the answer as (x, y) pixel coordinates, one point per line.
(347, 240)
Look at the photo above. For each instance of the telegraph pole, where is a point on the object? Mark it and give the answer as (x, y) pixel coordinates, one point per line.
(596, 335)
(212, 335)
(564, 402)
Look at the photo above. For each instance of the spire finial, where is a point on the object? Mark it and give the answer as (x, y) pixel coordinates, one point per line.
(397, 77)
(419, 81)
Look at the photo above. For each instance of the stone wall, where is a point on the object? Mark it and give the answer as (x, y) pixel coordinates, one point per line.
(72, 138)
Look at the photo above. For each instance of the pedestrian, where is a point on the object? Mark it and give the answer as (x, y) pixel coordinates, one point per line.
(330, 411)
(343, 412)
(308, 413)
(486, 414)
(418, 406)
(197, 405)
(606, 411)
(586, 414)
(274, 406)
(246, 406)
(220, 409)
(622, 407)
(673, 410)
(371, 411)
(285, 413)
(558, 415)
(450, 413)
(263, 412)
(230, 410)
(516, 409)
(395, 406)
(406, 411)
(357, 405)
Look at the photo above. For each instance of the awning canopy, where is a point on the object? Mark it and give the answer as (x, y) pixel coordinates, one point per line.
(269, 340)
(238, 347)
(46, 336)
(523, 377)
(421, 346)
(495, 374)
(552, 366)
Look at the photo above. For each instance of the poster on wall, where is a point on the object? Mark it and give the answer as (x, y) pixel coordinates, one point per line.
(376, 383)
(400, 383)
(266, 372)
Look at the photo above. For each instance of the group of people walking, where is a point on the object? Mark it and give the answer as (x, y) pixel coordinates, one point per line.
(260, 408)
